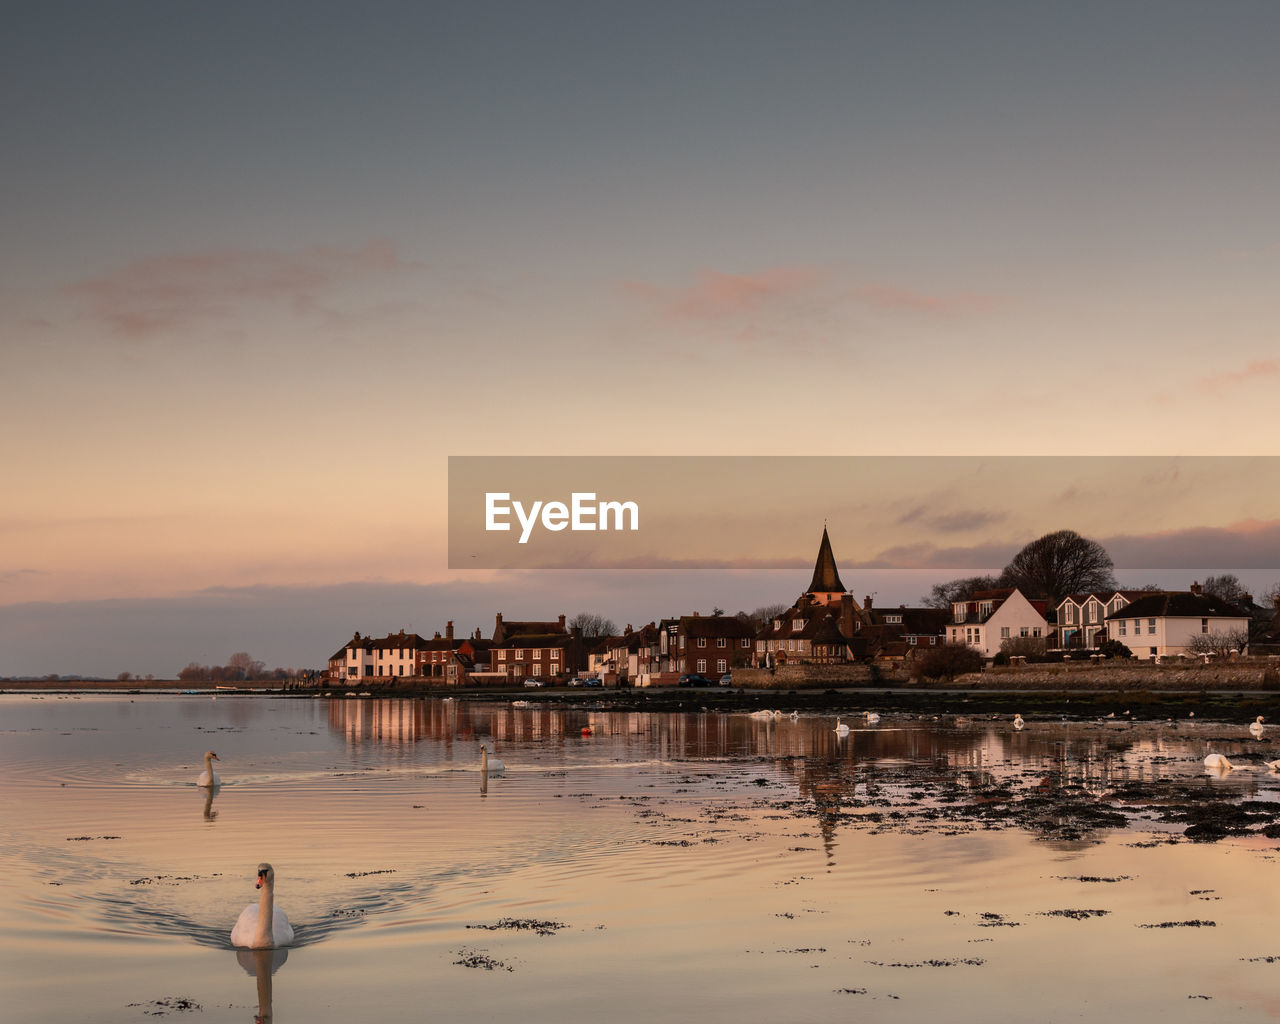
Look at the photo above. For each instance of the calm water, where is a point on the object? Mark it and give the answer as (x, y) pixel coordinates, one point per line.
(689, 868)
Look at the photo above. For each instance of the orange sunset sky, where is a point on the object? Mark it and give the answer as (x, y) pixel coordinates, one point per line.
(266, 267)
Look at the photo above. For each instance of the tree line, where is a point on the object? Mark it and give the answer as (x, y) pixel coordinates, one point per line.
(240, 667)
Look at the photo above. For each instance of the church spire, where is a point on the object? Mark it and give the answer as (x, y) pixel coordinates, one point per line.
(826, 578)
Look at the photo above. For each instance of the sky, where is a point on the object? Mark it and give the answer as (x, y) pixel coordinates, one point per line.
(266, 266)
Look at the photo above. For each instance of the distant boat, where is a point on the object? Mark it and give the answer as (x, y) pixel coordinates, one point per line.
(226, 687)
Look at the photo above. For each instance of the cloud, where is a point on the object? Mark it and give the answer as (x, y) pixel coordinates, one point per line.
(170, 292)
(1249, 544)
(894, 298)
(951, 522)
(789, 303)
(1259, 369)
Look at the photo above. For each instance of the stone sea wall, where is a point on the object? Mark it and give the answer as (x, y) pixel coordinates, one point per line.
(1248, 674)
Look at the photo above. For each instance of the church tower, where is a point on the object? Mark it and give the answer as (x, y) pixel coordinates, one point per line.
(825, 588)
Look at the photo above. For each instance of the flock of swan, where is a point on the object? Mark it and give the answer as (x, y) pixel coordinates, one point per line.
(263, 925)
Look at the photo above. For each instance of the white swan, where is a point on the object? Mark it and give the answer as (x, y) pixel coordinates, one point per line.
(1274, 765)
(1018, 723)
(490, 765)
(1255, 727)
(841, 728)
(209, 777)
(263, 925)
(795, 716)
(872, 718)
(1217, 761)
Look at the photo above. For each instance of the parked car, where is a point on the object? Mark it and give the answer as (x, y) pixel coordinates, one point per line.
(726, 679)
(693, 679)
(532, 683)
(593, 681)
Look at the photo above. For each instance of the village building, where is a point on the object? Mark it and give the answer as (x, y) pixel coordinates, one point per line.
(1081, 618)
(828, 626)
(710, 645)
(1167, 623)
(536, 650)
(989, 618)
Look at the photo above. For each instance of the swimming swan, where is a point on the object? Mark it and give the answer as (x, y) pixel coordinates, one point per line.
(872, 718)
(209, 777)
(490, 765)
(1217, 761)
(841, 729)
(263, 925)
(1256, 727)
(1018, 723)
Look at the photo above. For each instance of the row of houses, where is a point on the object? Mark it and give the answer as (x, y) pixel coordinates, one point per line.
(825, 625)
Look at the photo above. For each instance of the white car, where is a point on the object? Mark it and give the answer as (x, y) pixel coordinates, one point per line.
(533, 683)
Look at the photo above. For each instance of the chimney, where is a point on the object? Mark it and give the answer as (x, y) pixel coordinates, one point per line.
(866, 604)
(477, 632)
(1196, 588)
(628, 629)
(448, 630)
(695, 615)
(561, 620)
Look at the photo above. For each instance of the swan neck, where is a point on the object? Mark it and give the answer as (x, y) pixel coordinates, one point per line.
(266, 904)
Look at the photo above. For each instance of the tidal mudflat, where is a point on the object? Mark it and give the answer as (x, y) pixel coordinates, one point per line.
(685, 865)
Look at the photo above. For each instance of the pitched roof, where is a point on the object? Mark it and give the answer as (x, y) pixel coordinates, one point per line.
(715, 626)
(1179, 604)
(826, 579)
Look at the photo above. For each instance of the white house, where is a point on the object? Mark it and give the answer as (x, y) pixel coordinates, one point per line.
(990, 617)
(1156, 625)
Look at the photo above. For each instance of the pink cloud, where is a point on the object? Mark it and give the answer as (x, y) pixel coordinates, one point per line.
(895, 298)
(1260, 368)
(716, 296)
(173, 291)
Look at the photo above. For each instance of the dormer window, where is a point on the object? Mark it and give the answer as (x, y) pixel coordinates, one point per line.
(797, 625)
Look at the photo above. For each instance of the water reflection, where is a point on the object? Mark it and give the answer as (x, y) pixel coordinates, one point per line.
(262, 964)
(209, 793)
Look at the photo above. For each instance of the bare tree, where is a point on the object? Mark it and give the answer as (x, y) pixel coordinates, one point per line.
(1059, 564)
(766, 612)
(593, 625)
(943, 594)
(1228, 642)
(240, 665)
(1226, 587)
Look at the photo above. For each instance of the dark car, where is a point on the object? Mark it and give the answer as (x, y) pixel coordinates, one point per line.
(694, 680)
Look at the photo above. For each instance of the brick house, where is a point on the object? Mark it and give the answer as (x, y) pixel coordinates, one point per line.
(538, 650)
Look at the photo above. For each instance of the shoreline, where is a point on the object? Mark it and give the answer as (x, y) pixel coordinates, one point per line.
(1227, 703)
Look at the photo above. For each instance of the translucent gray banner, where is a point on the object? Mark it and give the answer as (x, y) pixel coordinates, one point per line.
(938, 513)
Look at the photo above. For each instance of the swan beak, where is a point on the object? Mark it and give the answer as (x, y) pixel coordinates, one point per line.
(262, 877)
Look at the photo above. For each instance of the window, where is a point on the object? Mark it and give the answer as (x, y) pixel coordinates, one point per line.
(1122, 624)
(1152, 650)
(1004, 632)
(797, 625)
(702, 641)
(746, 643)
(911, 640)
(702, 664)
(722, 666)
(1151, 625)
(1035, 631)
(1024, 631)
(555, 655)
(519, 654)
(682, 643)
(721, 641)
(893, 618)
(402, 670)
(1204, 626)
